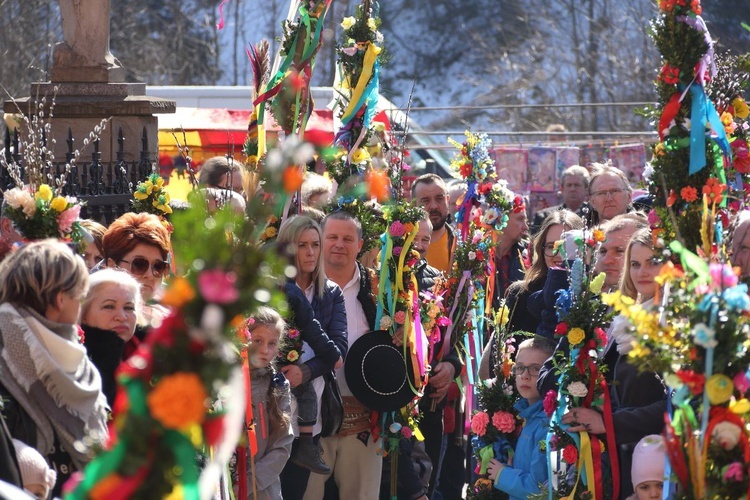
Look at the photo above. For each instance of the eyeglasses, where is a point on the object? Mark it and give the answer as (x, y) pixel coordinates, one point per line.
(139, 266)
(549, 249)
(607, 193)
(519, 370)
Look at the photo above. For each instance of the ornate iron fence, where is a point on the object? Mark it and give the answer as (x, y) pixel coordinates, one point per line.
(106, 187)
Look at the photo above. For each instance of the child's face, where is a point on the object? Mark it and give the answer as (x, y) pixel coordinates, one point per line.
(528, 363)
(264, 346)
(649, 490)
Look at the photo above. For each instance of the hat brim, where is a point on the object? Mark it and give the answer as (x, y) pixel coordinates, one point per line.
(377, 373)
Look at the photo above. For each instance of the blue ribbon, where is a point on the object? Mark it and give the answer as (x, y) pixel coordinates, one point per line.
(369, 96)
(702, 112)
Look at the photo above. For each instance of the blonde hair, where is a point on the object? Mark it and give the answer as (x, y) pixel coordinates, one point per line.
(34, 275)
(290, 233)
(109, 276)
(640, 237)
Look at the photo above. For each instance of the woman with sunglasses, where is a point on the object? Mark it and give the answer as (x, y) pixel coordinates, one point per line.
(139, 244)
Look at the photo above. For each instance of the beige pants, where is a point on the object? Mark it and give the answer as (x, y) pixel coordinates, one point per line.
(356, 469)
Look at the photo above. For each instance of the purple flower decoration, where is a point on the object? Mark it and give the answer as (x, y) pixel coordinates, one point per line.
(397, 251)
(397, 229)
(217, 287)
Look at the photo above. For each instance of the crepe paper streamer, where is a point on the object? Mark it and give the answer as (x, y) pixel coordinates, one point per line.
(369, 69)
(184, 456)
(220, 24)
(252, 440)
(402, 258)
(691, 261)
(384, 286)
(485, 454)
(701, 113)
(706, 68)
(419, 334)
(669, 113)
(609, 427)
(445, 349)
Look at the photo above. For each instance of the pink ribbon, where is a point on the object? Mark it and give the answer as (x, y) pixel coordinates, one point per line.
(220, 24)
(706, 66)
(418, 333)
(449, 330)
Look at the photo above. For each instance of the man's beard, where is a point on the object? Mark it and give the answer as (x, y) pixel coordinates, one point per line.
(437, 226)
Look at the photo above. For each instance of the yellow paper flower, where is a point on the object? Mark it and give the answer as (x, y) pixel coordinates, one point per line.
(502, 316)
(43, 193)
(140, 195)
(360, 155)
(740, 407)
(741, 109)
(348, 22)
(270, 232)
(178, 401)
(292, 356)
(371, 24)
(576, 336)
(719, 388)
(59, 204)
(599, 235)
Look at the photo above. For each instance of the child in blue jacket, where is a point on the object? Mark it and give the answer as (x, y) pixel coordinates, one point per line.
(527, 469)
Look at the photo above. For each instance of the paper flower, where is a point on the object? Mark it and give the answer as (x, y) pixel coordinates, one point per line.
(348, 22)
(407, 432)
(44, 193)
(504, 422)
(550, 402)
(577, 389)
(719, 388)
(561, 329)
(293, 333)
(735, 472)
(689, 194)
(704, 336)
(386, 323)
(399, 317)
(741, 382)
(726, 435)
(217, 287)
(179, 293)
(576, 336)
(479, 423)
(397, 229)
(178, 400)
(58, 204)
(570, 454)
(292, 356)
(394, 427)
(66, 219)
(597, 283)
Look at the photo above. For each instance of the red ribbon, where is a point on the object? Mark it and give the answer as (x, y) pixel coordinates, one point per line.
(670, 111)
(609, 427)
(596, 455)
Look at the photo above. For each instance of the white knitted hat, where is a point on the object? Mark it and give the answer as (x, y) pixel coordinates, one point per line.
(648, 460)
(34, 469)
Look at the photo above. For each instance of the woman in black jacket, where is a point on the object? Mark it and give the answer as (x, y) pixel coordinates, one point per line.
(108, 319)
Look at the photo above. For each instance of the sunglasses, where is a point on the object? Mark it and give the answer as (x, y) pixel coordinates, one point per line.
(140, 266)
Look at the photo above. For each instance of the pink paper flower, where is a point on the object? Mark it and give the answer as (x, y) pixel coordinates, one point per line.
(479, 423)
(741, 382)
(66, 219)
(722, 275)
(399, 317)
(550, 403)
(406, 432)
(397, 251)
(735, 472)
(444, 321)
(217, 287)
(293, 333)
(397, 229)
(504, 422)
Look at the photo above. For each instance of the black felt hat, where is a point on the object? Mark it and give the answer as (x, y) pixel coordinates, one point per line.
(377, 373)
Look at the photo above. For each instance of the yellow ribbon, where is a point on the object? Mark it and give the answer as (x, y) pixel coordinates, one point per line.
(371, 55)
(585, 462)
(402, 259)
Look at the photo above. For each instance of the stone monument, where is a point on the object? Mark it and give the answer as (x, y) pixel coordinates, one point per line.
(88, 84)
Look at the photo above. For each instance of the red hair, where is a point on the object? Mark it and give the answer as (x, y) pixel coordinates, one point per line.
(131, 229)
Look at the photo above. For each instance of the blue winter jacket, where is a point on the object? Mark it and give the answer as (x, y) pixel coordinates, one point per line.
(529, 463)
(330, 312)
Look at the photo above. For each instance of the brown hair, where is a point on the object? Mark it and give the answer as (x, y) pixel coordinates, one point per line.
(537, 273)
(539, 343)
(217, 169)
(96, 231)
(130, 229)
(289, 234)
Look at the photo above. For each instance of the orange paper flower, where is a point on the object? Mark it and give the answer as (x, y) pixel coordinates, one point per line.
(178, 401)
(689, 194)
(179, 293)
(105, 488)
(377, 181)
(292, 178)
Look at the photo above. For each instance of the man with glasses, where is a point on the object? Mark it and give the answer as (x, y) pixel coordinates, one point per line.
(609, 192)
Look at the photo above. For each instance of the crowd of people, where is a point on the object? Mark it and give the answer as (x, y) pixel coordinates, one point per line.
(67, 322)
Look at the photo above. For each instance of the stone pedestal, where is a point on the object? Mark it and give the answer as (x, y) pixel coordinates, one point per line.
(81, 106)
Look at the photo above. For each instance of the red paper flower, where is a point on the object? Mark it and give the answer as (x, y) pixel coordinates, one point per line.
(714, 190)
(741, 156)
(670, 74)
(550, 403)
(689, 194)
(694, 381)
(570, 454)
(561, 329)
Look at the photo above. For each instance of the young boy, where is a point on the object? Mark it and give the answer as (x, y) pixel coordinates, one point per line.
(647, 471)
(528, 468)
